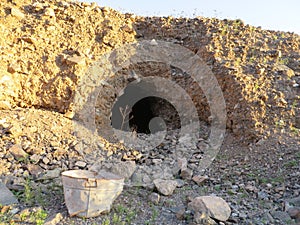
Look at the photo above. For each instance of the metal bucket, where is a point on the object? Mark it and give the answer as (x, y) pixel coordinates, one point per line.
(88, 194)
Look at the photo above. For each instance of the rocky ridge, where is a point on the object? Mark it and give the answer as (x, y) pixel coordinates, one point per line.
(47, 46)
(45, 50)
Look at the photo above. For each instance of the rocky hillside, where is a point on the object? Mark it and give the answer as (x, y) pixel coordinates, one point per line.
(47, 50)
(258, 70)
(47, 46)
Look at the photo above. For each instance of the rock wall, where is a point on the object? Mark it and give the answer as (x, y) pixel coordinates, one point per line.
(258, 70)
(47, 46)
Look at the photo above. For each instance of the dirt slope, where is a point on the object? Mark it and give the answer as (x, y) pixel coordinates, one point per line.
(47, 46)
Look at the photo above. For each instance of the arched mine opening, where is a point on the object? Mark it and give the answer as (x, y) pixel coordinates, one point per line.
(134, 106)
(144, 114)
(148, 115)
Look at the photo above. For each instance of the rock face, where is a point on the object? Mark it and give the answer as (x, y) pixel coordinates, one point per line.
(246, 70)
(215, 207)
(43, 64)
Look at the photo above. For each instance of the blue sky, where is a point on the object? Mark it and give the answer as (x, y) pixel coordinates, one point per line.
(281, 15)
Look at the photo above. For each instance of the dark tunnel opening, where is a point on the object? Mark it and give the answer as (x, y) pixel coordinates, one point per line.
(150, 108)
(138, 117)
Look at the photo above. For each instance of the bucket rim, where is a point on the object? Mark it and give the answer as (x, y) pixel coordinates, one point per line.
(88, 174)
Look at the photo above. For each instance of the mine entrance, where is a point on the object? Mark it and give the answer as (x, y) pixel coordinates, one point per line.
(147, 115)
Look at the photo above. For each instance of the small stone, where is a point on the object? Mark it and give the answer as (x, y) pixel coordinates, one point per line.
(186, 174)
(13, 67)
(78, 60)
(14, 211)
(285, 70)
(5, 105)
(234, 215)
(213, 206)
(180, 183)
(262, 195)
(17, 13)
(157, 161)
(17, 152)
(182, 163)
(294, 213)
(34, 170)
(106, 9)
(154, 198)
(37, 151)
(165, 187)
(153, 42)
(80, 164)
(243, 215)
(261, 142)
(180, 215)
(54, 143)
(4, 209)
(54, 220)
(49, 12)
(46, 160)
(30, 40)
(269, 185)
(35, 158)
(4, 123)
(69, 114)
(38, 6)
(51, 174)
(250, 188)
(280, 189)
(124, 169)
(203, 218)
(296, 85)
(199, 180)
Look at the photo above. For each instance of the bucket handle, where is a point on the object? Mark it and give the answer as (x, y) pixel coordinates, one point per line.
(90, 183)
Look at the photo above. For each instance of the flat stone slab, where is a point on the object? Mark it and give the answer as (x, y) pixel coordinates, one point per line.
(6, 196)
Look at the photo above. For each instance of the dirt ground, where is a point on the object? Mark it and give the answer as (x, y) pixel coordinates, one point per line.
(256, 179)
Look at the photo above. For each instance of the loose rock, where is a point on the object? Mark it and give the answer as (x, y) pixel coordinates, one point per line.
(199, 180)
(54, 220)
(294, 213)
(17, 152)
(154, 198)
(215, 207)
(17, 13)
(165, 187)
(80, 164)
(79, 60)
(186, 174)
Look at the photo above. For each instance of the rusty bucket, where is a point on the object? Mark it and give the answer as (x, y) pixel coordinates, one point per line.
(88, 194)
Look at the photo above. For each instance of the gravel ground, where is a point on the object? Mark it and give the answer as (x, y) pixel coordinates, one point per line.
(260, 181)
